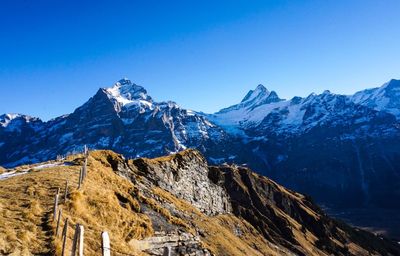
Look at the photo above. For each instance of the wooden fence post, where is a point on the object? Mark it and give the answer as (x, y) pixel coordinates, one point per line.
(85, 167)
(66, 191)
(75, 241)
(64, 236)
(106, 244)
(58, 221)
(55, 204)
(83, 173)
(81, 233)
(85, 150)
(80, 179)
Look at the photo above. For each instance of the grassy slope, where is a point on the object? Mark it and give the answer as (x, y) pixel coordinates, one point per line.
(26, 203)
(110, 202)
(27, 227)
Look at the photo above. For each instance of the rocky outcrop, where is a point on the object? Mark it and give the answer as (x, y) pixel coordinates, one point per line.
(186, 176)
(175, 244)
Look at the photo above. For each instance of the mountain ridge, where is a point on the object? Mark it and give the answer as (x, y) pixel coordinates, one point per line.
(342, 150)
(357, 97)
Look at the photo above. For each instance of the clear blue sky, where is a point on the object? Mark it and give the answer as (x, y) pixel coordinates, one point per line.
(205, 55)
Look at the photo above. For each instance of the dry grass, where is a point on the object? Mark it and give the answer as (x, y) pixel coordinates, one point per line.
(108, 202)
(103, 204)
(25, 209)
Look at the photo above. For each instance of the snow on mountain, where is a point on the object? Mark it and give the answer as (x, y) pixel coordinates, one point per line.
(252, 108)
(384, 98)
(7, 118)
(263, 108)
(122, 117)
(254, 98)
(125, 111)
(14, 122)
(126, 94)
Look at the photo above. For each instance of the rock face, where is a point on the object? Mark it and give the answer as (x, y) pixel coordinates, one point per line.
(342, 150)
(173, 244)
(186, 176)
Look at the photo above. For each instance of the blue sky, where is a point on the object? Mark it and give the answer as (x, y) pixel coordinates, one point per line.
(205, 55)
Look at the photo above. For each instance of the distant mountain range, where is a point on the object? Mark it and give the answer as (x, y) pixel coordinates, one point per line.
(342, 150)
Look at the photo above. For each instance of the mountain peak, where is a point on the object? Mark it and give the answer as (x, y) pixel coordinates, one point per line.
(124, 81)
(259, 96)
(253, 99)
(385, 98)
(261, 87)
(392, 85)
(259, 91)
(125, 92)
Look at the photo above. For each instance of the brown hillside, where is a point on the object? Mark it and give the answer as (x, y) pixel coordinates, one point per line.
(177, 201)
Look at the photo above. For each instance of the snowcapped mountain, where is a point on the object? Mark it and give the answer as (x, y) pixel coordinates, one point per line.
(250, 110)
(122, 117)
(263, 110)
(326, 145)
(339, 149)
(126, 94)
(385, 98)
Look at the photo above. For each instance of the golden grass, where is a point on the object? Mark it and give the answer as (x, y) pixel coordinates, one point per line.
(108, 202)
(25, 206)
(103, 204)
